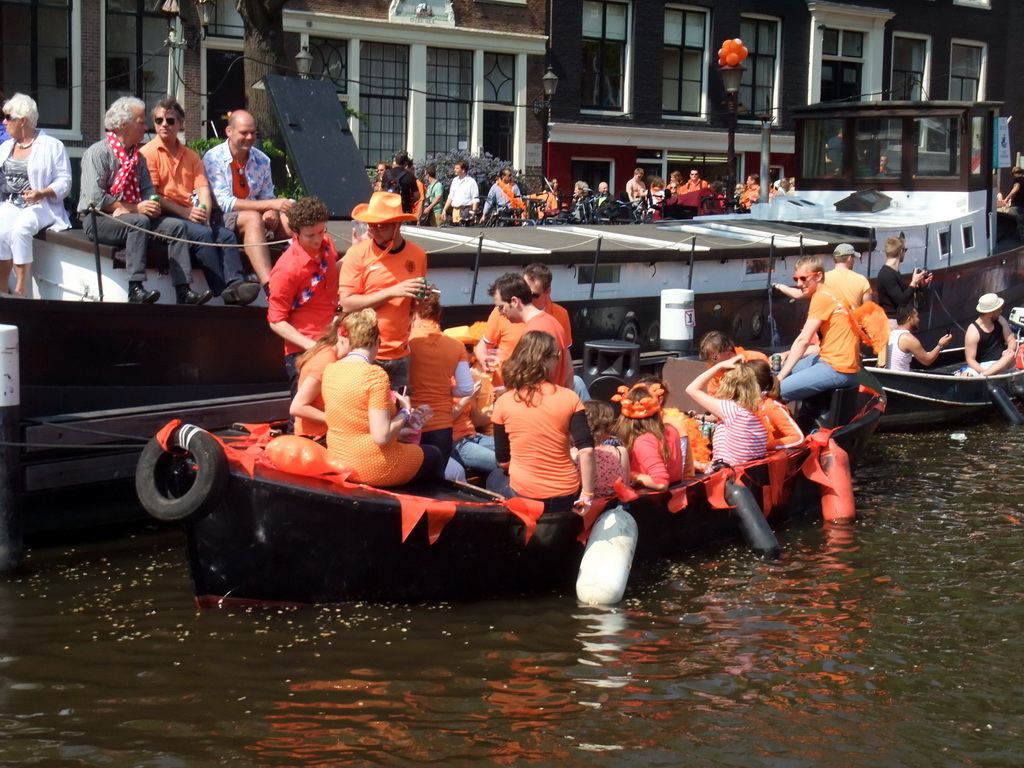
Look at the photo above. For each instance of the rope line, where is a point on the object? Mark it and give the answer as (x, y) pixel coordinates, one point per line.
(173, 239)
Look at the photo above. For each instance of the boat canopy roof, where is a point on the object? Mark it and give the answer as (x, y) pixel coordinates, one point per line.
(896, 145)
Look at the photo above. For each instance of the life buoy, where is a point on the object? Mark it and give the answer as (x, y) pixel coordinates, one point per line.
(174, 487)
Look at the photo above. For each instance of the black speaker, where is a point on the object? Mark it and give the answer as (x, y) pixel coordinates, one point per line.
(610, 357)
(869, 200)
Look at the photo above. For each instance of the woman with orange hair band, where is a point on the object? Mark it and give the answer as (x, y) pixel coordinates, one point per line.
(655, 452)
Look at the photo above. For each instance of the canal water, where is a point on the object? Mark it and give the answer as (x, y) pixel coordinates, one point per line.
(897, 642)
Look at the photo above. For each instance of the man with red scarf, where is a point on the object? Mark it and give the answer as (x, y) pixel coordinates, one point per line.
(116, 181)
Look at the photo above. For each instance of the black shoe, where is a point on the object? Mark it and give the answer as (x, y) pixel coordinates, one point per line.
(240, 293)
(188, 296)
(137, 294)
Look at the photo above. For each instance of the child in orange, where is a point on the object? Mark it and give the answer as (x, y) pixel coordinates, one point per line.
(783, 431)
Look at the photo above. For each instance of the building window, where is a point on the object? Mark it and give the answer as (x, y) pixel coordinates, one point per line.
(499, 78)
(757, 89)
(604, 54)
(226, 21)
(965, 72)
(35, 56)
(449, 98)
(136, 51)
(909, 56)
(683, 68)
(330, 61)
(842, 64)
(383, 99)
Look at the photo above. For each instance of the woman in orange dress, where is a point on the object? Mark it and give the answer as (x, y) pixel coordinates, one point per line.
(308, 404)
(363, 422)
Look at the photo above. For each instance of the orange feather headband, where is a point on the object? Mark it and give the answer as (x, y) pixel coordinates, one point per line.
(642, 408)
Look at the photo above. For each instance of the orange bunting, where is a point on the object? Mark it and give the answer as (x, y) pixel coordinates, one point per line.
(527, 510)
(678, 499)
(590, 517)
(715, 486)
(413, 508)
(623, 491)
(439, 513)
(164, 435)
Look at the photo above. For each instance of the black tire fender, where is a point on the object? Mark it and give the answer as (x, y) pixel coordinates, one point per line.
(175, 487)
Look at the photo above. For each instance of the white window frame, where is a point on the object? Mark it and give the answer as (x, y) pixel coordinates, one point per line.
(702, 112)
(776, 87)
(984, 63)
(926, 76)
(986, 4)
(869, 21)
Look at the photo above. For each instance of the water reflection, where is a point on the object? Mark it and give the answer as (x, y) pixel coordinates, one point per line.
(891, 642)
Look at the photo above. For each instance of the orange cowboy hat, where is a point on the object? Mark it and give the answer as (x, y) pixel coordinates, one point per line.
(383, 208)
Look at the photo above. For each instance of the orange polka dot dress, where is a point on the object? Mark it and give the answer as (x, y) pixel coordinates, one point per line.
(350, 389)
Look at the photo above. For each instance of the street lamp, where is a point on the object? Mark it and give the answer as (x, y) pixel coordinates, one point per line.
(731, 77)
(303, 63)
(542, 109)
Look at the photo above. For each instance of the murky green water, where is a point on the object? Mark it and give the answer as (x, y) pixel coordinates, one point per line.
(894, 643)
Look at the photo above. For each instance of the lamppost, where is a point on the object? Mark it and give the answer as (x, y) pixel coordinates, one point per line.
(542, 109)
(303, 62)
(730, 55)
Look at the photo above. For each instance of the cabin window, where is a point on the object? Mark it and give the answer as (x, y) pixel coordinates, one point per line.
(606, 273)
(603, 46)
(757, 88)
(909, 57)
(823, 148)
(968, 237)
(878, 147)
(938, 147)
(757, 266)
(136, 51)
(965, 62)
(682, 89)
(944, 243)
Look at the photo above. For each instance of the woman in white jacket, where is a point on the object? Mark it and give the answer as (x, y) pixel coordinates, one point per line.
(35, 177)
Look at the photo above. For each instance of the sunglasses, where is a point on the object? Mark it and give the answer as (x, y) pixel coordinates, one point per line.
(801, 278)
(162, 120)
(8, 118)
(241, 177)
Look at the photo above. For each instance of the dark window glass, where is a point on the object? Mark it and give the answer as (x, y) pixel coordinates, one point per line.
(383, 99)
(757, 88)
(908, 62)
(136, 51)
(330, 61)
(683, 62)
(449, 98)
(42, 27)
(604, 53)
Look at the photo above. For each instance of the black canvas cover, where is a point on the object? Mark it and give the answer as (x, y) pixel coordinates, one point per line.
(321, 146)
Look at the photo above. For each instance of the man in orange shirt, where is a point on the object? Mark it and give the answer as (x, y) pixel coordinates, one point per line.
(838, 361)
(513, 299)
(715, 347)
(180, 180)
(386, 273)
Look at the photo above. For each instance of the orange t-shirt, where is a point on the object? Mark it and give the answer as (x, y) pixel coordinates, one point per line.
(538, 436)
(548, 324)
(748, 355)
(314, 367)
(560, 314)
(783, 431)
(431, 367)
(175, 178)
(503, 334)
(350, 390)
(840, 344)
(365, 270)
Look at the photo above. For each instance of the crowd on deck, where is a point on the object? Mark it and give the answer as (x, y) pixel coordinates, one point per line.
(373, 376)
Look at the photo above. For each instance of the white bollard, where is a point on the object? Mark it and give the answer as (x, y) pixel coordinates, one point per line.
(604, 569)
(677, 320)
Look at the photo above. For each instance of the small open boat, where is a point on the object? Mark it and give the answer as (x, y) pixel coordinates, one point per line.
(935, 397)
(257, 534)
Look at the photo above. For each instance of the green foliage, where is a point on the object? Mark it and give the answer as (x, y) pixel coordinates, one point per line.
(484, 168)
(286, 183)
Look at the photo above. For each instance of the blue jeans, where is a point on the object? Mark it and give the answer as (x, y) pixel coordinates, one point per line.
(811, 376)
(220, 265)
(498, 482)
(476, 452)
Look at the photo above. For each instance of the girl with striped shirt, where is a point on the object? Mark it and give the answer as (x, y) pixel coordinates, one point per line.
(740, 435)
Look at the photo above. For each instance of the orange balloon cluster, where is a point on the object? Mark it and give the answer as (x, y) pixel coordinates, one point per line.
(732, 53)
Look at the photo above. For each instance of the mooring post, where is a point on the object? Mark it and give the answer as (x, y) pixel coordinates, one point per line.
(11, 547)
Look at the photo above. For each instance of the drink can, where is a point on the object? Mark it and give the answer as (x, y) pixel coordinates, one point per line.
(201, 207)
(776, 363)
(155, 198)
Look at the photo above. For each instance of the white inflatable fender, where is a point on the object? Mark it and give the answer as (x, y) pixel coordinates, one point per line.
(604, 569)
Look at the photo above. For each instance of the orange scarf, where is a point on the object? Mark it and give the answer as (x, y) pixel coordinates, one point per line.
(510, 195)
